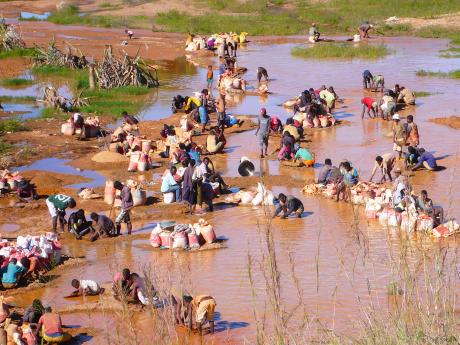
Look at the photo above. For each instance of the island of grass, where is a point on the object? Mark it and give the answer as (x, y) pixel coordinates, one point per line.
(16, 82)
(455, 74)
(102, 102)
(326, 50)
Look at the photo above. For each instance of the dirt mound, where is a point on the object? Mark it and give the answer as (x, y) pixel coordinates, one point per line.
(108, 157)
(453, 121)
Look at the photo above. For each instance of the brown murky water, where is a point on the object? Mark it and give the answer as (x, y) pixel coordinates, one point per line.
(336, 268)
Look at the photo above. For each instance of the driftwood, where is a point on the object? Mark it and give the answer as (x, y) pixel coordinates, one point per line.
(113, 72)
(52, 98)
(10, 37)
(53, 56)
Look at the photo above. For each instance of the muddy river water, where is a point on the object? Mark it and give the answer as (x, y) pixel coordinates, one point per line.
(339, 272)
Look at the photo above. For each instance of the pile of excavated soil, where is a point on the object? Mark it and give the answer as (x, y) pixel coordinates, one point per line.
(109, 157)
(452, 121)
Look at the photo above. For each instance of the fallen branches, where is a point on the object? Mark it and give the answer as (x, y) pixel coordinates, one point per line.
(52, 98)
(112, 72)
(53, 56)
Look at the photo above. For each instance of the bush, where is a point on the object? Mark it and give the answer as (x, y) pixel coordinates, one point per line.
(12, 125)
(341, 51)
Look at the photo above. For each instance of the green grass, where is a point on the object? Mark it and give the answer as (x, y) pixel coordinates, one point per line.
(341, 51)
(70, 15)
(455, 74)
(262, 24)
(52, 113)
(422, 94)
(16, 82)
(12, 125)
(5, 147)
(17, 99)
(439, 32)
(113, 102)
(58, 71)
(18, 52)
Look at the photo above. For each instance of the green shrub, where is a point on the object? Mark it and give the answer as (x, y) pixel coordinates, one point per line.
(341, 51)
(12, 125)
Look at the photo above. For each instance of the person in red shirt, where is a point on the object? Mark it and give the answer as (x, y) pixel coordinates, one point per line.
(51, 326)
(370, 104)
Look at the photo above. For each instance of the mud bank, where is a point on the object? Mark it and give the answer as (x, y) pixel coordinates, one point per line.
(452, 121)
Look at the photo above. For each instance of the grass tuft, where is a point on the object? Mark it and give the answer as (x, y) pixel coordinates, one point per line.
(341, 51)
(11, 126)
(18, 52)
(455, 74)
(16, 82)
(422, 94)
(5, 147)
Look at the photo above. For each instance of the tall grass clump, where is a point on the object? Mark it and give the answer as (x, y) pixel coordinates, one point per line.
(17, 52)
(11, 126)
(70, 15)
(455, 74)
(16, 82)
(341, 51)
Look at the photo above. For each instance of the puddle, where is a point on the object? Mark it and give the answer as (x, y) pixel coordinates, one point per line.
(35, 16)
(9, 227)
(59, 165)
(28, 111)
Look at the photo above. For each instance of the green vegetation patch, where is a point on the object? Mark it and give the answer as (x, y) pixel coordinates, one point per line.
(18, 52)
(422, 94)
(10, 126)
(113, 102)
(16, 82)
(57, 71)
(5, 147)
(341, 51)
(455, 74)
(17, 99)
(257, 24)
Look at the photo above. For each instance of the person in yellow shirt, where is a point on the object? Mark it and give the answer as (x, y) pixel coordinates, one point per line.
(199, 310)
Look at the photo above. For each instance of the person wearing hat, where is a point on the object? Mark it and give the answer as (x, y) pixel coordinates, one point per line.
(399, 179)
(399, 135)
(313, 33)
(263, 131)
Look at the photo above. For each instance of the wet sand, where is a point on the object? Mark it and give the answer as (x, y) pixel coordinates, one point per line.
(336, 263)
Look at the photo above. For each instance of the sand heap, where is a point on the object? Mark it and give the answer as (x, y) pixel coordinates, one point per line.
(109, 157)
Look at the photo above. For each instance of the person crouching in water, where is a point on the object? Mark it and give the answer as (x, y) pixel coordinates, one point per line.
(126, 206)
(288, 205)
(198, 308)
(78, 225)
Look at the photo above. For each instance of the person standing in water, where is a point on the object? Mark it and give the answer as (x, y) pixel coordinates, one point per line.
(209, 77)
(126, 206)
(263, 132)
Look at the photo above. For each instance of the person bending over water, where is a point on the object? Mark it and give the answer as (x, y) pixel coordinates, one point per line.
(287, 206)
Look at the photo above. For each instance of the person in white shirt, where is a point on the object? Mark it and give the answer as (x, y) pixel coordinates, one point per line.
(85, 287)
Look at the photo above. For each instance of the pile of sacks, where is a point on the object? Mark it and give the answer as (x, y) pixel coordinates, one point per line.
(9, 181)
(46, 248)
(233, 84)
(91, 126)
(139, 195)
(197, 43)
(182, 236)
(381, 208)
(257, 197)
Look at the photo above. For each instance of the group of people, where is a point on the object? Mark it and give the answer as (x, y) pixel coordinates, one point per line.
(386, 106)
(37, 322)
(193, 182)
(100, 225)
